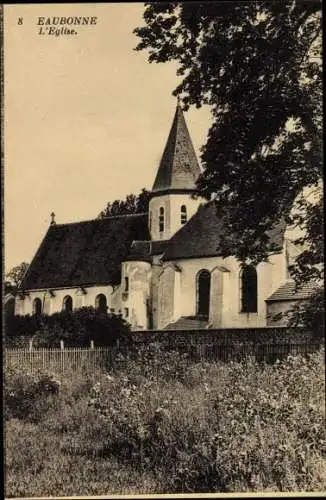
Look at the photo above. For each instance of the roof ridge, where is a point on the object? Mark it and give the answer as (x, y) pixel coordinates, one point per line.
(77, 252)
(99, 219)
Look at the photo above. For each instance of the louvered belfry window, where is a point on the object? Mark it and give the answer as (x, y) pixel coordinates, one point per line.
(183, 214)
(161, 220)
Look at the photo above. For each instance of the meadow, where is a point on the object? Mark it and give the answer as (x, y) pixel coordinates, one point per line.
(160, 423)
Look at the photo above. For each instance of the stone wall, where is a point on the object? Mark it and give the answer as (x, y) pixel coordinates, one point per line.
(279, 335)
(131, 304)
(134, 302)
(156, 271)
(276, 311)
(166, 297)
(53, 300)
(225, 293)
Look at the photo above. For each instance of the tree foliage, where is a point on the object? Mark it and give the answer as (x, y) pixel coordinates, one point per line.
(133, 204)
(256, 64)
(310, 314)
(15, 275)
(76, 328)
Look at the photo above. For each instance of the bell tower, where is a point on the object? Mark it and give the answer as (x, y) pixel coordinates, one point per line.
(172, 204)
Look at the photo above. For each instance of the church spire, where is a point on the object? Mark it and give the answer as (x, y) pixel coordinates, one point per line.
(179, 168)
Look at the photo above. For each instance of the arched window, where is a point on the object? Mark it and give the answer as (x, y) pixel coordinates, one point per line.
(67, 304)
(248, 283)
(101, 303)
(183, 214)
(37, 306)
(203, 292)
(126, 284)
(161, 220)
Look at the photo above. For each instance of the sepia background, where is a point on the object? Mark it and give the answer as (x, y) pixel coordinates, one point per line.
(86, 119)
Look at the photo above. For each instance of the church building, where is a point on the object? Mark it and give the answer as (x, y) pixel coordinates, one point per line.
(162, 269)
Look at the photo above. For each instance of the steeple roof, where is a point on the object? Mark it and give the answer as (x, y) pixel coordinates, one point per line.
(179, 168)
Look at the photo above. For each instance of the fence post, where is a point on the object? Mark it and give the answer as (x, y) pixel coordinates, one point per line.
(92, 357)
(62, 355)
(30, 354)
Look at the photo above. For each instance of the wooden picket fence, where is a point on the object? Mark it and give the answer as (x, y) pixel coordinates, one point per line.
(97, 359)
(54, 360)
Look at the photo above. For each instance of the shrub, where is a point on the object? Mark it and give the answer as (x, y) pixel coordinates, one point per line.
(29, 396)
(148, 361)
(18, 327)
(76, 328)
(243, 427)
(203, 427)
(310, 314)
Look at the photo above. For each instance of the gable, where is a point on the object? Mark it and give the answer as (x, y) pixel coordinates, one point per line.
(201, 236)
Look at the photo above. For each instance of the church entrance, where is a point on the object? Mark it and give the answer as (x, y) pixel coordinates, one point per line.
(203, 293)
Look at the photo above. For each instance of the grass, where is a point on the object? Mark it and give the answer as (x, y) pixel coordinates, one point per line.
(159, 424)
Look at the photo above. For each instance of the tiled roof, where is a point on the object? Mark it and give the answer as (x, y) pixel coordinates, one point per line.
(187, 323)
(287, 292)
(84, 253)
(201, 236)
(144, 250)
(139, 251)
(179, 168)
(158, 247)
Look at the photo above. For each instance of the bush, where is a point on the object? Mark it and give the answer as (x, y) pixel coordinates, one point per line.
(28, 396)
(19, 326)
(158, 423)
(310, 314)
(75, 328)
(145, 362)
(243, 427)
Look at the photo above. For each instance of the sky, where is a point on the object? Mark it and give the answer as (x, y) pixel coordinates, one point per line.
(86, 118)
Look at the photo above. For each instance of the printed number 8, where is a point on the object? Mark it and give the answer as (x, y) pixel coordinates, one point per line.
(20, 20)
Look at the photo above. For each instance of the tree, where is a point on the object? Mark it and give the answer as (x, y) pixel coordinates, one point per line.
(131, 205)
(15, 275)
(310, 314)
(256, 64)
